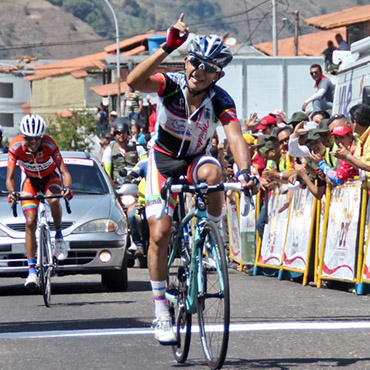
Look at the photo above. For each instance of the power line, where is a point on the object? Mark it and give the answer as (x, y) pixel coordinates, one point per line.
(90, 41)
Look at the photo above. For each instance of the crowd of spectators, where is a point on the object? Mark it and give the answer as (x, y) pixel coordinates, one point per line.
(310, 150)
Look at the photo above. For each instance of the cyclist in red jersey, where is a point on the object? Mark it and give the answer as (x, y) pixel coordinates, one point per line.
(190, 106)
(43, 169)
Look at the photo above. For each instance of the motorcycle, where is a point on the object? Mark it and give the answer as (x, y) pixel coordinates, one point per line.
(128, 193)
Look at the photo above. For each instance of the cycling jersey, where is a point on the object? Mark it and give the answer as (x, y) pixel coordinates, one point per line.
(179, 135)
(41, 164)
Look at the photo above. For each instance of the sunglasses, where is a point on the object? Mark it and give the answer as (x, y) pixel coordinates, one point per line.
(199, 63)
(284, 140)
(31, 138)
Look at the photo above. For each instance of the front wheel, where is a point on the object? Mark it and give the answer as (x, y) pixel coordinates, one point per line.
(213, 297)
(45, 265)
(176, 295)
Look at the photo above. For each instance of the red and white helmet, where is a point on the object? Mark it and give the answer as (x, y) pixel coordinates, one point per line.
(32, 125)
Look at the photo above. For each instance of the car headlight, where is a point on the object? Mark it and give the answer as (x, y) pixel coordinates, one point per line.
(104, 225)
(122, 227)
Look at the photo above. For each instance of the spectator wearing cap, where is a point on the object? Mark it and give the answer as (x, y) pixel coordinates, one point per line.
(280, 117)
(284, 167)
(298, 117)
(304, 171)
(329, 142)
(112, 116)
(118, 155)
(3, 148)
(258, 162)
(343, 136)
(322, 99)
(266, 124)
(297, 141)
(360, 117)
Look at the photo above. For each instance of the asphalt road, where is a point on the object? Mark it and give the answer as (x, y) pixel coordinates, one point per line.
(275, 325)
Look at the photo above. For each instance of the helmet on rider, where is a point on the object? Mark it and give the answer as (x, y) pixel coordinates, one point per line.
(210, 49)
(121, 124)
(32, 125)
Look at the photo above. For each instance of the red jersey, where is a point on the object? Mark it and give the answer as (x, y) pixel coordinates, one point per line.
(41, 164)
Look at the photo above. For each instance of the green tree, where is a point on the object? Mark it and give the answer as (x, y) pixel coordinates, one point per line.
(73, 133)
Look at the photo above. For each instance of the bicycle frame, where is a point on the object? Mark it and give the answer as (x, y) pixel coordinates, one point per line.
(194, 278)
(43, 227)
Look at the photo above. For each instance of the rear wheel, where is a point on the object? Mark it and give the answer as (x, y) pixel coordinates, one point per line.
(177, 289)
(214, 298)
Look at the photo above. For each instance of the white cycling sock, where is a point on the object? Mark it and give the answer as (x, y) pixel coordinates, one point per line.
(159, 290)
(215, 219)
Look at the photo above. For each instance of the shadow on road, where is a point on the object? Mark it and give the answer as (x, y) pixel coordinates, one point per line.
(91, 324)
(291, 363)
(77, 287)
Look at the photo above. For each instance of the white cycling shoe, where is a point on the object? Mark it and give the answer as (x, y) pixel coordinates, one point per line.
(61, 249)
(32, 282)
(163, 330)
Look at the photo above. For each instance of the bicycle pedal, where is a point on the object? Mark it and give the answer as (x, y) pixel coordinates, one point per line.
(171, 294)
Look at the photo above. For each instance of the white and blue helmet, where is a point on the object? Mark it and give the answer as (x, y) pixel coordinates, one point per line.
(32, 125)
(211, 49)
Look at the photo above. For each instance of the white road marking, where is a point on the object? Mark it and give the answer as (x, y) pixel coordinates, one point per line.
(245, 327)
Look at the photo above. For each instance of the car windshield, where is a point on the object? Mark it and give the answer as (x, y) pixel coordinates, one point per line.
(87, 177)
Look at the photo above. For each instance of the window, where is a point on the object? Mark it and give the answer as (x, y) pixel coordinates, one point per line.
(7, 119)
(6, 90)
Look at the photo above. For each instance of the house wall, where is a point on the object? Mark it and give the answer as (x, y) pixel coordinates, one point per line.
(264, 84)
(59, 93)
(14, 92)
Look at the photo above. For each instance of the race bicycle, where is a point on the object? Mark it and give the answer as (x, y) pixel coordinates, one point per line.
(198, 279)
(45, 260)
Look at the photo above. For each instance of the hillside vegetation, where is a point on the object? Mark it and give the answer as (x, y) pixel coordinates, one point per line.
(56, 29)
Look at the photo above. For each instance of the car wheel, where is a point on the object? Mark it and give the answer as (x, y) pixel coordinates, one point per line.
(143, 262)
(116, 280)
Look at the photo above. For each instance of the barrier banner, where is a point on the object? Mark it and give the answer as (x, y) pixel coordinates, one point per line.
(340, 247)
(299, 235)
(248, 234)
(234, 229)
(271, 251)
(366, 267)
(319, 234)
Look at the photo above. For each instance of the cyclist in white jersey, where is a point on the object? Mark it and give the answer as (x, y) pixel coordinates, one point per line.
(190, 106)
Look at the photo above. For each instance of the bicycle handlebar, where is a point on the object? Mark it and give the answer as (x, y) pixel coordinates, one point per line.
(202, 188)
(39, 197)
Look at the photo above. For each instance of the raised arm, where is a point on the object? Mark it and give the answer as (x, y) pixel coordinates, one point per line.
(141, 77)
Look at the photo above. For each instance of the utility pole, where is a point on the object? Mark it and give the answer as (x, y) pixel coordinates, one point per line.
(248, 24)
(296, 29)
(274, 37)
(118, 60)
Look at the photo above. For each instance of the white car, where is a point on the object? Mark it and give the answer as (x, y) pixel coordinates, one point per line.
(96, 230)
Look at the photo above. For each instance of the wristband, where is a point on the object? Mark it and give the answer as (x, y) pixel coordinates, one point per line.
(246, 175)
(167, 49)
(281, 175)
(348, 155)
